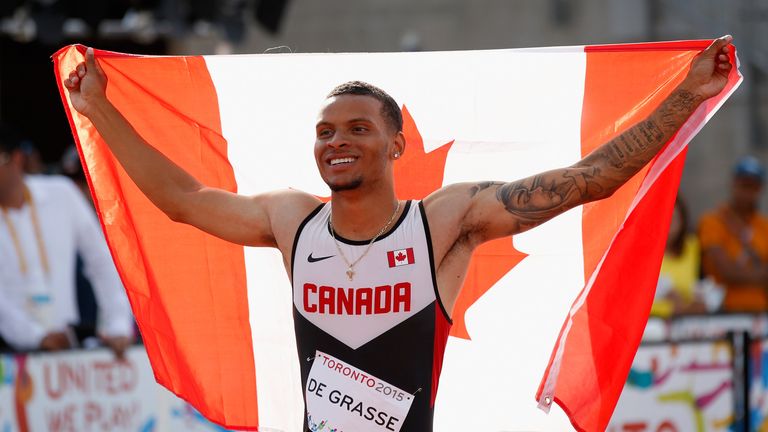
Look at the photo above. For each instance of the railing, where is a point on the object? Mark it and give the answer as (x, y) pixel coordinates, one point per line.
(693, 373)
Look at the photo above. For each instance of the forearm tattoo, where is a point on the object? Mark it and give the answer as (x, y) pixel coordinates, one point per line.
(537, 199)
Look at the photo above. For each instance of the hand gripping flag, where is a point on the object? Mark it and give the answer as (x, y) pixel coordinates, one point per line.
(556, 313)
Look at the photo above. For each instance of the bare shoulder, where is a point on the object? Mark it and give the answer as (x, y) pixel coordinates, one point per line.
(446, 211)
(450, 204)
(447, 201)
(287, 209)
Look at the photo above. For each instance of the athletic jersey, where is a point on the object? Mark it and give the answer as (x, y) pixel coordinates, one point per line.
(387, 321)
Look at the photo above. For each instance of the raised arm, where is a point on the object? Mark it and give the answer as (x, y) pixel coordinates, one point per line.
(496, 209)
(236, 218)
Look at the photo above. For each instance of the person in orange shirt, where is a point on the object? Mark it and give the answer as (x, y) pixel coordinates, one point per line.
(734, 242)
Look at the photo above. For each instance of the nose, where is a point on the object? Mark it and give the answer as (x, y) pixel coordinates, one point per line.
(338, 140)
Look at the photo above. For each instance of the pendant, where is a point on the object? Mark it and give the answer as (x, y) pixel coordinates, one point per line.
(350, 273)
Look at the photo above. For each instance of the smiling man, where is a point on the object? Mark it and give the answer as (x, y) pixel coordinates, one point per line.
(375, 278)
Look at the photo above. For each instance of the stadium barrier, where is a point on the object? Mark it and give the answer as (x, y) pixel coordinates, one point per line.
(692, 373)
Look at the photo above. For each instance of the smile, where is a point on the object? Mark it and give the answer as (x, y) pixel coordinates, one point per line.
(342, 160)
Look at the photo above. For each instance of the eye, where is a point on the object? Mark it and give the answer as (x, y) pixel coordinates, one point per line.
(324, 133)
(359, 129)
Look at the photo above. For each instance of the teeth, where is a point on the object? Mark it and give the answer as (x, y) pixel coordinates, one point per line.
(342, 160)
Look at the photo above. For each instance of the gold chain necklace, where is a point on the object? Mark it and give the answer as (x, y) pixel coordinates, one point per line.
(351, 266)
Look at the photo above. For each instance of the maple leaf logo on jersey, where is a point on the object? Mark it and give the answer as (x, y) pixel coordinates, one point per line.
(400, 257)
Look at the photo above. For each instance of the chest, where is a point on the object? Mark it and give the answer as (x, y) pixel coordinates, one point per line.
(356, 292)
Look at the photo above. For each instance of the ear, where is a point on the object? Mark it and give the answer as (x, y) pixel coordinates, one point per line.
(399, 145)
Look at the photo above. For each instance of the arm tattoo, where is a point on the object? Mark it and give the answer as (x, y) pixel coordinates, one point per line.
(536, 199)
(539, 198)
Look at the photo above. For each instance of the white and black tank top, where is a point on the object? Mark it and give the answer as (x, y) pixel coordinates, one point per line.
(388, 320)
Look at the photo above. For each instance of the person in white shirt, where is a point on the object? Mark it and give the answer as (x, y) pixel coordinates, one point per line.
(44, 223)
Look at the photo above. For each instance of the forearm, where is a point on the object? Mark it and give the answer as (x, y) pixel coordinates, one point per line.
(536, 199)
(615, 162)
(160, 179)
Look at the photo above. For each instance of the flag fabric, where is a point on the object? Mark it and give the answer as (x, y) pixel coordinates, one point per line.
(553, 315)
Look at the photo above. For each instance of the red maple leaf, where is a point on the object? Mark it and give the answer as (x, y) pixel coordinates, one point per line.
(400, 256)
(419, 173)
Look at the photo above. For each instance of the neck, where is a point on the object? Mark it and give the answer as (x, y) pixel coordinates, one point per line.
(14, 198)
(359, 215)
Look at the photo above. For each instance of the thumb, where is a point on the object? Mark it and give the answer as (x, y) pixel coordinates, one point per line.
(718, 44)
(91, 63)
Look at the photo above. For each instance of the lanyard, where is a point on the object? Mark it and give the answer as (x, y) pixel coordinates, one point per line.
(38, 235)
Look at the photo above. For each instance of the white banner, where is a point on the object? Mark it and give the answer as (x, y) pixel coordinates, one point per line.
(81, 391)
(678, 387)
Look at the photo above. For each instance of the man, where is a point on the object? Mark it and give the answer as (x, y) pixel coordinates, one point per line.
(734, 242)
(45, 221)
(388, 319)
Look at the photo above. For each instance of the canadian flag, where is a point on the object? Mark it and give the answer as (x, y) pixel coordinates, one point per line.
(573, 295)
(400, 257)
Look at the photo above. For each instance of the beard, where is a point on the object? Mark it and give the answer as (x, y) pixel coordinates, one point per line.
(350, 185)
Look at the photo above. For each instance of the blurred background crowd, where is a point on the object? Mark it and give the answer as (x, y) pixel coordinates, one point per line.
(716, 260)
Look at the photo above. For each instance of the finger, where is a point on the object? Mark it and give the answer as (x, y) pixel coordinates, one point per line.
(91, 63)
(80, 70)
(90, 59)
(717, 45)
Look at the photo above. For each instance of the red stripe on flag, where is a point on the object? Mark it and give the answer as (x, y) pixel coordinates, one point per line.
(391, 258)
(607, 331)
(606, 328)
(409, 252)
(198, 341)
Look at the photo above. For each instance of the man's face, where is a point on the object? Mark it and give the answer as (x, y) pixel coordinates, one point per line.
(745, 192)
(353, 142)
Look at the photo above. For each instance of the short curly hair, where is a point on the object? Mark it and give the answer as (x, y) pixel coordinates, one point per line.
(389, 108)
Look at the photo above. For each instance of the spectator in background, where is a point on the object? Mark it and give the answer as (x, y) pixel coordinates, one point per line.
(734, 242)
(44, 223)
(676, 291)
(33, 163)
(71, 167)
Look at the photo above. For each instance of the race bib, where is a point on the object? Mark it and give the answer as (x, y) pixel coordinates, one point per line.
(343, 398)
